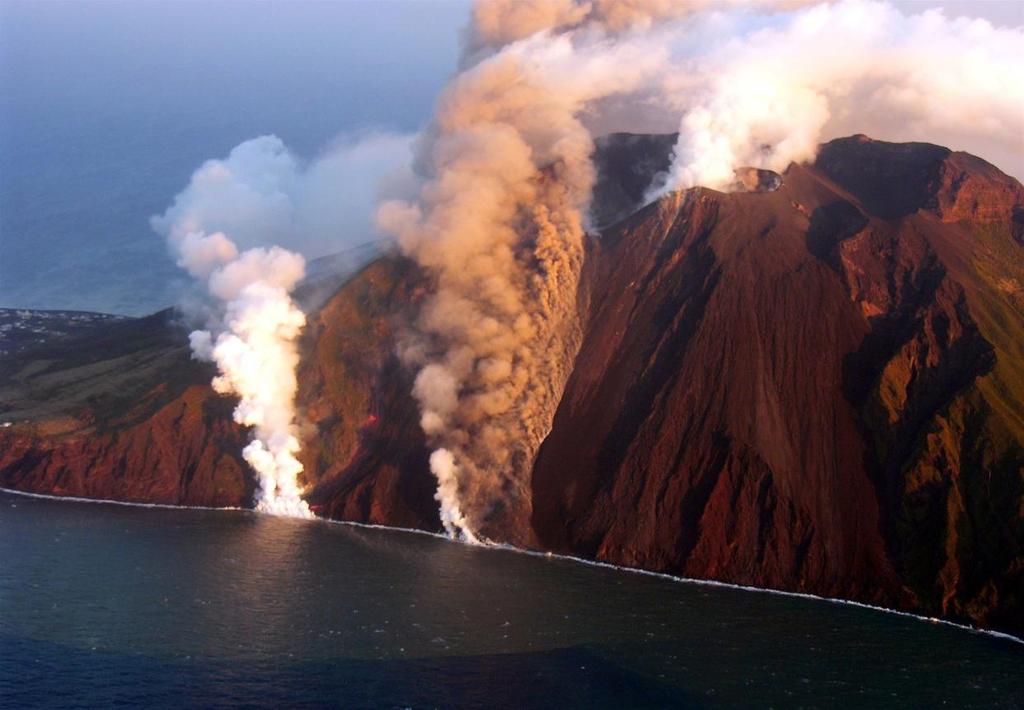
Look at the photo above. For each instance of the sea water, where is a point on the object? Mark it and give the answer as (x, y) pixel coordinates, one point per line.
(105, 605)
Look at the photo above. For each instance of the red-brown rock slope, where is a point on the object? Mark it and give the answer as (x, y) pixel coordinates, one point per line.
(818, 387)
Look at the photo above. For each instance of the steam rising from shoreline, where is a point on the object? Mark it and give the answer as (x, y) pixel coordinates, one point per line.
(254, 348)
(261, 195)
(250, 335)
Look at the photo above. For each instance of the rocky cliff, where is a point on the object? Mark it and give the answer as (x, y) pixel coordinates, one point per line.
(815, 384)
(818, 388)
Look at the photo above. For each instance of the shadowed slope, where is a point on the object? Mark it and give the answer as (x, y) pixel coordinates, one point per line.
(814, 389)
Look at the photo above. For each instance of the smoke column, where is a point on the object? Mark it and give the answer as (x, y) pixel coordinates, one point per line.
(499, 226)
(506, 176)
(253, 325)
(253, 346)
(255, 351)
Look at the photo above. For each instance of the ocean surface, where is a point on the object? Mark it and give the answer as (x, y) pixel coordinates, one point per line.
(106, 109)
(104, 606)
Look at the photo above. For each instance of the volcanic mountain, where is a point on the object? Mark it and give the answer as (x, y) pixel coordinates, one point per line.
(813, 383)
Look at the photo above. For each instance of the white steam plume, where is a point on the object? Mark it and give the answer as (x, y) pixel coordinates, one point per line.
(767, 95)
(262, 195)
(255, 351)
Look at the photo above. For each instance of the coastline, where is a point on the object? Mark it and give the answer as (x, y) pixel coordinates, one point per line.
(544, 555)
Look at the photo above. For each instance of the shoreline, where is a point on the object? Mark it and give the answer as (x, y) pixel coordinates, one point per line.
(545, 555)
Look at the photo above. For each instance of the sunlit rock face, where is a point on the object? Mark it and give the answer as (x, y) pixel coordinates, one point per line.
(813, 382)
(816, 387)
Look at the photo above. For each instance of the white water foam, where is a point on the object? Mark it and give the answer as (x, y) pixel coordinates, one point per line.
(124, 503)
(554, 556)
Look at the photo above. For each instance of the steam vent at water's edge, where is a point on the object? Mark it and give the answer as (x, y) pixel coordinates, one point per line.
(814, 382)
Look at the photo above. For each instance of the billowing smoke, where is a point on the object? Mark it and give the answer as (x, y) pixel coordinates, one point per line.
(765, 94)
(254, 348)
(261, 195)
(498, 216)
(506, 176)
(499, 226)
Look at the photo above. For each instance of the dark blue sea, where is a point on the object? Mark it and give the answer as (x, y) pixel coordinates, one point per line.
(107, 606)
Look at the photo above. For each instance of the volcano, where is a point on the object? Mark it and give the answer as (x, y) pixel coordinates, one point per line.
(813, 383)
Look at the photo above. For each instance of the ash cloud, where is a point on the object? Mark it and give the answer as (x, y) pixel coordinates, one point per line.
(498, 224)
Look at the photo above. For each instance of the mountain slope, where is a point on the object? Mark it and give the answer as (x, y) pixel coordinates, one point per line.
(816, 386)
(125, 414)
(120, 412)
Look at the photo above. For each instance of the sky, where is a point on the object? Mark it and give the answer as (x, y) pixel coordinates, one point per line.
(1009, 13)
(107, 108)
